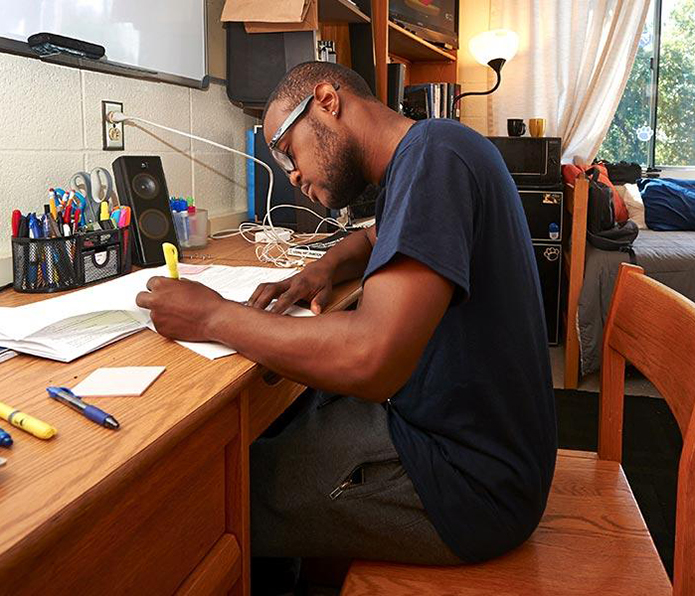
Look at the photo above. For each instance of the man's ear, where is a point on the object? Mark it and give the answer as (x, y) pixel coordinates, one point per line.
(327, 99)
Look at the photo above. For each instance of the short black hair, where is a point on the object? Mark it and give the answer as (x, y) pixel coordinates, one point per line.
(300, 81)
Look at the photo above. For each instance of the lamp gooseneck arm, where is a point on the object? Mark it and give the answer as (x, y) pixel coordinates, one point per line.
(496, 65)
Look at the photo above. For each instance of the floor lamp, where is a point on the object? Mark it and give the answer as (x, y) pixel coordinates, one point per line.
(491, 48)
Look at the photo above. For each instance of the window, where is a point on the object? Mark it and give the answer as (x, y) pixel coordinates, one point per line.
(654, 124)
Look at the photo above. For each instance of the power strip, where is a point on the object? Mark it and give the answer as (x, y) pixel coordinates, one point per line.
(297, 251)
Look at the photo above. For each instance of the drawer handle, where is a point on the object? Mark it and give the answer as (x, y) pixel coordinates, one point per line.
(271, 378)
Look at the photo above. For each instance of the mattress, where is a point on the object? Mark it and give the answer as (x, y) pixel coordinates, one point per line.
(668, 257)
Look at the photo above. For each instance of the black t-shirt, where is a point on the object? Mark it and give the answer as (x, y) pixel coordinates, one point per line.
(475, 423)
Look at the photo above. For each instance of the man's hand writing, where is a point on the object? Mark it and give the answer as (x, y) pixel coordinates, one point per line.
(180, 309)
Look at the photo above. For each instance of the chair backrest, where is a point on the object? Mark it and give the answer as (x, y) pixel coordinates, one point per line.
(653, 327)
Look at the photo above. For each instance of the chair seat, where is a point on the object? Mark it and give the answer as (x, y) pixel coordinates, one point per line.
(591, 540)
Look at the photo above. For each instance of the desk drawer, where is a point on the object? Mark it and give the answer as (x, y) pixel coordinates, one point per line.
(269, 395)
(145, 535)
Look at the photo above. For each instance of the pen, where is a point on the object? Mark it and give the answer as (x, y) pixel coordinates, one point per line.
(5, 438)
(34, 228)
(23, 229)
(77, 217)
(67, 397)
(16, 220)
(52, 202)
(28, 423)
(171, 256)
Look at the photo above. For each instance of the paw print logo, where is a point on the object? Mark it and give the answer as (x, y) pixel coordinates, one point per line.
(644, 133)
(552, 253)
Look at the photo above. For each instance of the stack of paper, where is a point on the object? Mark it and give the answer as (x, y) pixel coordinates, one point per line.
(71, 325)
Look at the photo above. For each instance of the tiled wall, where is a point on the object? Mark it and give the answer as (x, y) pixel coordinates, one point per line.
(474, 17)
(50, 128)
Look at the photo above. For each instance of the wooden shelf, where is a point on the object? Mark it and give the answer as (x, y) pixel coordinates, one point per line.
(405, 44)
(341, 11)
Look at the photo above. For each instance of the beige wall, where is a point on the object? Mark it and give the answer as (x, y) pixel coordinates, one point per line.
(474, 17)
(51, 128)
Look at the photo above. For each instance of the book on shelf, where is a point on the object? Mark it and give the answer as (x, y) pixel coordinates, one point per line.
(431, 100)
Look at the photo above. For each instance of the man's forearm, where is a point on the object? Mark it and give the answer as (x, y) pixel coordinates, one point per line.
(348, 259)
(326, 353)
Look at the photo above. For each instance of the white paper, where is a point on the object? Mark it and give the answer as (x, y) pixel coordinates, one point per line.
(118, 380)
(213, 350)
(71, 325)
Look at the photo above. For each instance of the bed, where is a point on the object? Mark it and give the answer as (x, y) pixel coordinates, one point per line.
(668, 257)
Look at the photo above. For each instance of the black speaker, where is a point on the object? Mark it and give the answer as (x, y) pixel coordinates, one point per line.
(257, 61)
(141, 185)
(549, 261)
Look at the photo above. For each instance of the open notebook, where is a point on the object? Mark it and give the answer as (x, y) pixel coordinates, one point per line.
(71, 325)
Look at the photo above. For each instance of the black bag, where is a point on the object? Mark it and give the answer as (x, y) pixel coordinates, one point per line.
(623, 172)
(601, 212)
(602, 231)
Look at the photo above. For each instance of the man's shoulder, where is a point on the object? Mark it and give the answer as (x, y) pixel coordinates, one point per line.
(442, 134)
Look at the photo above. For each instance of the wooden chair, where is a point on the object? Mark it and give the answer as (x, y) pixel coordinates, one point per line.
(576, 206)
(592, 538)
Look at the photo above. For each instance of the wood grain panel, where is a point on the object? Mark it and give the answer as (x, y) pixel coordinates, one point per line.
(341, 35)
(428, 72)
(269, 396)
(147, 536)
(576, 201)
(592, 540)
(217, 573)
(380, 15)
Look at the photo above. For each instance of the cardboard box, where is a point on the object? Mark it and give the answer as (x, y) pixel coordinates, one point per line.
(279, 11)
(309, 23)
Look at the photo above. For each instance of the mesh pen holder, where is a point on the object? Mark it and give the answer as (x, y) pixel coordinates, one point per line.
(54, 264)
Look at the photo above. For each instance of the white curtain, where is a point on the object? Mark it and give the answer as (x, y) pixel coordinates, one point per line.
(573, 63)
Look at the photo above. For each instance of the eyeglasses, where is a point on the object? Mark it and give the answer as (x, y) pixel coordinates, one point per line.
(282, 158)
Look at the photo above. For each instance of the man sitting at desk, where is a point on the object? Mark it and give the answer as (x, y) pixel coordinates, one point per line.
(446, 449)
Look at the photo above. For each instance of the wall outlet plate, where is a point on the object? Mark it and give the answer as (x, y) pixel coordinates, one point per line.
(112, 134)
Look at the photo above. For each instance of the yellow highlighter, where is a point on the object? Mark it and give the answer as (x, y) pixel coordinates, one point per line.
(104, 214)
(28, 423)
(171, 256)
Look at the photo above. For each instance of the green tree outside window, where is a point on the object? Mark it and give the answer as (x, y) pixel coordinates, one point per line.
(630, 132)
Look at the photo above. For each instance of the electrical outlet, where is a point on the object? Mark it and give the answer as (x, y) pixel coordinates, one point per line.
(112, 134)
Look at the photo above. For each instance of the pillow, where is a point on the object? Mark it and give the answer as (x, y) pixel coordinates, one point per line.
(669, 204)
(571, 171)
(630, 195)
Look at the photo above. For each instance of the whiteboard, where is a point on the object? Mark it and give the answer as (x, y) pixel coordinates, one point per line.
(164, 36)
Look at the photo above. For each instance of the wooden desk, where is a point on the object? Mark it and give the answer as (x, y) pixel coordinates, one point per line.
(160, 506)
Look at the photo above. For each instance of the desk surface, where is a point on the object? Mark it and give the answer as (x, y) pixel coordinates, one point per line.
(45, 481)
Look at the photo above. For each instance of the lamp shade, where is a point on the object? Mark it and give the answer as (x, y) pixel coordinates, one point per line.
(495, 44)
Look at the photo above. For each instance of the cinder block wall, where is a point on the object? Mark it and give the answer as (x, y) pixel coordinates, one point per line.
(51, 128)
(474, 17)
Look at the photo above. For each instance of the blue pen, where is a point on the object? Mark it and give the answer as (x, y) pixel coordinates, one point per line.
(64, 395)
(34, 228)
(5, 438)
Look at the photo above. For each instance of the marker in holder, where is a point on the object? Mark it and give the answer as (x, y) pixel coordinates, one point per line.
(43, 265)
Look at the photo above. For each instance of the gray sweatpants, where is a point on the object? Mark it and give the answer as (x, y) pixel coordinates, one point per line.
(330, 484)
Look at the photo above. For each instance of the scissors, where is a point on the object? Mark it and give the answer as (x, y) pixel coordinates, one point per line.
(96, 186)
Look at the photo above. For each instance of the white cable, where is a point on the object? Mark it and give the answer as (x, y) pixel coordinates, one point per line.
(264, 252)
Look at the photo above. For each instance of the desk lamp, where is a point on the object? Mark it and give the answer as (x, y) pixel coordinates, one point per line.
(492, 48)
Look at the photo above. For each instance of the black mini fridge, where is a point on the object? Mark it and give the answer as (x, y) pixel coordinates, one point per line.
(544, 213)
